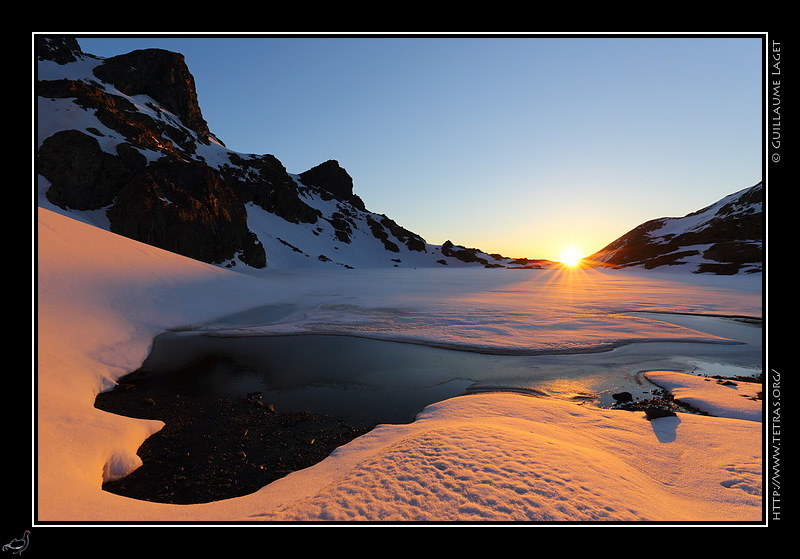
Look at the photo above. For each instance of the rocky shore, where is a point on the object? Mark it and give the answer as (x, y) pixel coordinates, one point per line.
(663, 404)
(216, 448)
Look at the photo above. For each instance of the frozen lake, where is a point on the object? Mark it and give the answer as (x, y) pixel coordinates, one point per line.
(125, 294)
(367, 381)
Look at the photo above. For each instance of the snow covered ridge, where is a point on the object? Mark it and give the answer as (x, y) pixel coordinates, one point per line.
(122, 145)
(724, 238)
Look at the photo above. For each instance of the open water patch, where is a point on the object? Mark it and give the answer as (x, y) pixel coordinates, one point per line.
(243, 411)
(360, 380)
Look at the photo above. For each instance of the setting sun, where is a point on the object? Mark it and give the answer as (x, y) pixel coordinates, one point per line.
(570, 257)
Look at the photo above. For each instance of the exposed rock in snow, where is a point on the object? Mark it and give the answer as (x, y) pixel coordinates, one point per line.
(123, 144)
(724, 238)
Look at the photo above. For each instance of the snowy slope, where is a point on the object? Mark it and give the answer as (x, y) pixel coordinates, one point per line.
(343, 234)
(486, 457)
(725, 238)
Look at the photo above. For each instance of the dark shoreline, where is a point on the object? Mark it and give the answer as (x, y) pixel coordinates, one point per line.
(216, 448)
(664, 402)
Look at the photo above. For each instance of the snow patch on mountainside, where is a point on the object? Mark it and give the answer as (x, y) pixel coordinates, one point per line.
(343, 234)
(726, 237)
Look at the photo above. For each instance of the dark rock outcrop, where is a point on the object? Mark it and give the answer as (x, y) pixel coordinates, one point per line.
(82, 175)
(652, 412)
(333, 182)
(141, 151)
(723, 238)
(161, 75)
(186, 208)
(470, 255)
(411, 240)
(61, 50)
(176, 201)
(263, 180)
(623, 397)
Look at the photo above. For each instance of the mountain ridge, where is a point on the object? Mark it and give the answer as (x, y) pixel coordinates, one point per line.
(723, 238)
(122, 143)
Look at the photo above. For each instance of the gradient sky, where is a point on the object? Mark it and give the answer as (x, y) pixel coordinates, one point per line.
(521, 146)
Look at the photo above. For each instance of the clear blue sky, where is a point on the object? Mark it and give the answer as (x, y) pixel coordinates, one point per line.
(520, 146)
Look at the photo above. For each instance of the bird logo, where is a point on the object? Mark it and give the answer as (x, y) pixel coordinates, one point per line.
(18, 545)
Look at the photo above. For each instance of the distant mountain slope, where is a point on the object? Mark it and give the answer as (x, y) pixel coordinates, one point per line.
(724, 238)
(122, 144)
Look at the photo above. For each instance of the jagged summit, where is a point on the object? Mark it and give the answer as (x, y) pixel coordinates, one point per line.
(61, 50)
(724, 238)
(157, 73)
(122, 144)
(161, 75)
(333, 181)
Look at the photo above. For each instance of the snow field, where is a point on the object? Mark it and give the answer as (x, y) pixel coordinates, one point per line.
(488, 457)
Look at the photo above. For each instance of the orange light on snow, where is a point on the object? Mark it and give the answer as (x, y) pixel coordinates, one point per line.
(570, 257)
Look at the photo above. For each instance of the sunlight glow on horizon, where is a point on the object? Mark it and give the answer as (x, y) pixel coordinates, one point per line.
(570, 256)
(575, 138)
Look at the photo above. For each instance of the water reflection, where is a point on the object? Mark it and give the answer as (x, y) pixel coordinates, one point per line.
(367, 381)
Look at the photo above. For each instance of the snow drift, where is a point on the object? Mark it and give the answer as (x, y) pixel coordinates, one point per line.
(483, 457)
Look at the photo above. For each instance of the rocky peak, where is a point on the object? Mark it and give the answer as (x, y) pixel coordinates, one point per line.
(330, 178)
(151, 170)
(61, 50)
(139, 162)
(723, 238)
(162, 75)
